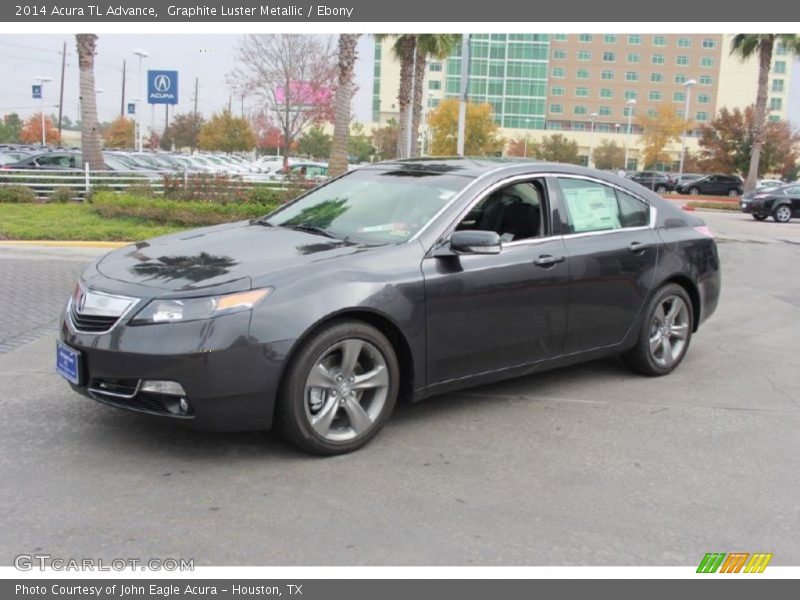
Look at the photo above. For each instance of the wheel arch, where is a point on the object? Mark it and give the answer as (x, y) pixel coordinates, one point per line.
(691, 289)
(379, 321)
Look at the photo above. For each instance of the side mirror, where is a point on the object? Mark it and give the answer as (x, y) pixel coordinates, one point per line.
(475, 242)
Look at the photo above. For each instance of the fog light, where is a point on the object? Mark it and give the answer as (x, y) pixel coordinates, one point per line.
(168, 388)
(184, 405)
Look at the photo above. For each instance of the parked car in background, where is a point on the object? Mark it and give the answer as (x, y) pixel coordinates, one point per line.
(769, 183)
(654, 180)
(713, 185)
(782, 203)
(687, 177)
(403, 279)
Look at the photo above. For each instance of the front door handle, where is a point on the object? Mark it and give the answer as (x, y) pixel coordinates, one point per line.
(638, 247)
(548, 260)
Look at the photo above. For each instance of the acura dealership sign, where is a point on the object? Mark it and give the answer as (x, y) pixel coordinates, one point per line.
(162, 87)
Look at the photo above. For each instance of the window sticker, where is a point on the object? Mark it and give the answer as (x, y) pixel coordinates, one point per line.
(591, 209)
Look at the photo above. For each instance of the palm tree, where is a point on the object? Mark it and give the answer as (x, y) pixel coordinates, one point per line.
(404, 49)
(429, 45)
(746, 45)
(90, 131)
(337, 165)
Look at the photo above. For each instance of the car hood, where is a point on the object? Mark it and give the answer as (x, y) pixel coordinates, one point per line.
(230, 255)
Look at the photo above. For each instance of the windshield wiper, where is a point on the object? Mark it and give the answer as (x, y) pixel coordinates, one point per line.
(311, 229)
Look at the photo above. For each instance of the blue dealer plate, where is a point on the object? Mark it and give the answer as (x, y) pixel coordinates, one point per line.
(68, 363)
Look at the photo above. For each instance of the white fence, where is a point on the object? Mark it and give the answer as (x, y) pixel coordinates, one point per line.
(45, 183)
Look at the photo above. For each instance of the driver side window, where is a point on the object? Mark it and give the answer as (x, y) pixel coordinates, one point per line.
(515, 212)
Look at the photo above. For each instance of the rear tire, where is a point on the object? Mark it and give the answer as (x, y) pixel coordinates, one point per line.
(339, 389)
(665, 333)
(734, 193)
(782, 214)
(661, 189)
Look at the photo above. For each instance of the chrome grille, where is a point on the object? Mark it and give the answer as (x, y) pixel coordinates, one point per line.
(97, 312)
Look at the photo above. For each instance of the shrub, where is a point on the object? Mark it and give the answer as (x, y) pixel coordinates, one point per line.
(177, 212)
(61, 195)
(17, 194)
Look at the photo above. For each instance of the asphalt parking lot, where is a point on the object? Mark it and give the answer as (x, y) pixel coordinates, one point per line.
(583, 466)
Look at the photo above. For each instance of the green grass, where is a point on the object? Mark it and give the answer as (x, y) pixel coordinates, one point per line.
(73, 222)
(718, 205)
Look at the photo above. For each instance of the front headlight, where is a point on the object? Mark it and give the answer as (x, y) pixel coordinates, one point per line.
(195, 309)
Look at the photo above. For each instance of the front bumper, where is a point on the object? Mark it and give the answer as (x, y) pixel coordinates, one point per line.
(231, 382)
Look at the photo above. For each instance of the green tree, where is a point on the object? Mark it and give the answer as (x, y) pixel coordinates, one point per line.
(359, 145)
(481, 137)
(226, 133)
(747, 45)
(658, 131)
(556, 148)
(429, 45)
(608, 155)
(10, 129)
(337, 164)
(315, 143)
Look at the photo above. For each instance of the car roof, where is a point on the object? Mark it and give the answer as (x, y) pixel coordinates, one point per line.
(477, 167)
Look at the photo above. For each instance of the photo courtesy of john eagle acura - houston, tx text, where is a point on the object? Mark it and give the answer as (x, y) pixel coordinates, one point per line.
(398, 280)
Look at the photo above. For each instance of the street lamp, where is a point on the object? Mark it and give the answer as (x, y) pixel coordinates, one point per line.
(142, 55)
(688, 85)
(42, 81)
(591, 140)
(631, 103)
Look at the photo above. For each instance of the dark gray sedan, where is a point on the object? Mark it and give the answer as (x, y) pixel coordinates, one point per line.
(398, 280)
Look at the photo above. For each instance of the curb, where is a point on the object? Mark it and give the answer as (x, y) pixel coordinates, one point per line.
(62, 243)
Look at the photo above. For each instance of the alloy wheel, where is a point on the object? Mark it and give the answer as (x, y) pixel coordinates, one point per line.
(669, 331)
(346, 390)
(783, 214)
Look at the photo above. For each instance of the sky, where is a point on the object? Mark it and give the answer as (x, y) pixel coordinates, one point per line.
(207, 57)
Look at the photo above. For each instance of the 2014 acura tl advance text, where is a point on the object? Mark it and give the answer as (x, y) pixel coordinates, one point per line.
(397, 280)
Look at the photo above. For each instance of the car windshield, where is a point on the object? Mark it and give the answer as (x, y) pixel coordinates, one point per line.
(372, 207)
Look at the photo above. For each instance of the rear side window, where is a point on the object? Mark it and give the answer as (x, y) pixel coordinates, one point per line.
(592, 206)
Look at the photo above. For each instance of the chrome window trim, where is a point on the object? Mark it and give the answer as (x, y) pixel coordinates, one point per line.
(653, 210)
(134, 302)
(481, 195)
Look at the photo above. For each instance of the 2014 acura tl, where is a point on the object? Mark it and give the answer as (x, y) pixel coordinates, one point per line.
(397, 280)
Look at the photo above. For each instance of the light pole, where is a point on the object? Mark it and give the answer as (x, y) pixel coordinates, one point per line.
(590, 162)
(688, 85)
(631, 103)
(527, 127)
(142, 55)
(42, 81)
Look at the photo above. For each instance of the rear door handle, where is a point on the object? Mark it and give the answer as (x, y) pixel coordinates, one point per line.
(548, 260)
(638, 247)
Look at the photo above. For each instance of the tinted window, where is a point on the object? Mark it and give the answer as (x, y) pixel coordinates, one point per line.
(515, 212)
(793, 191)
(592, 206)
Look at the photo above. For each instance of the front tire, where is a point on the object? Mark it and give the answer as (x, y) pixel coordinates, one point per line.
(665, 333)
(339, 390)
(694, 191)
(782, 214)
